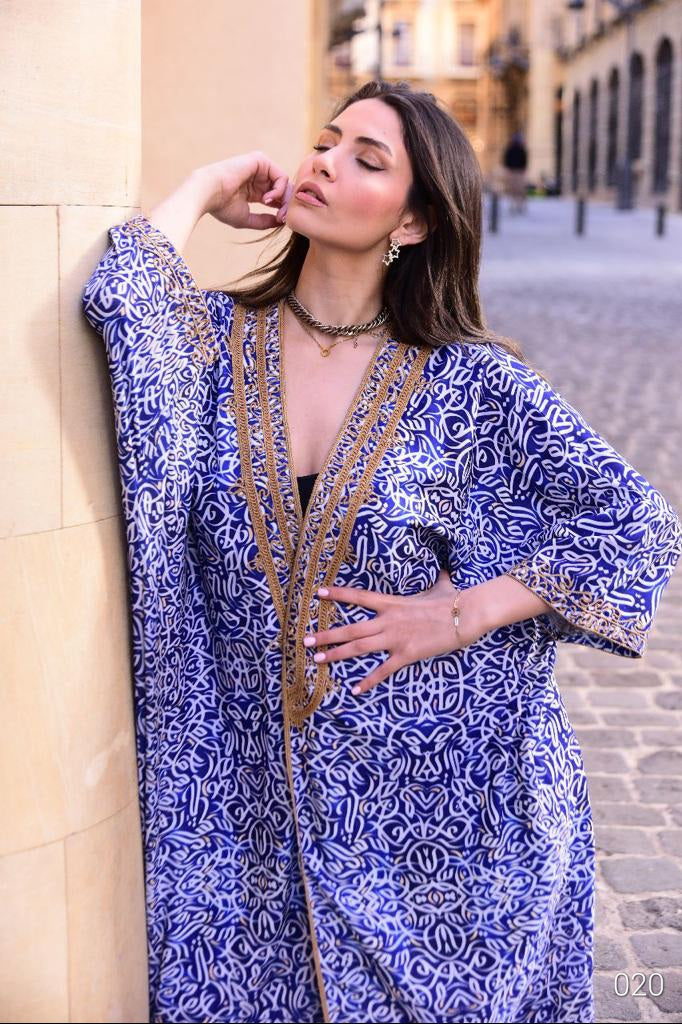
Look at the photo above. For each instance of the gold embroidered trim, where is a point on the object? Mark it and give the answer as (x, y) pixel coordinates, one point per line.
(582, 609)
(276, 590)
(255, 425)
(350, 414)
(311, 919)
(296, 694)
(241, 419)
(181, 285)
(293, 483)
(300, 708)
(270, 462)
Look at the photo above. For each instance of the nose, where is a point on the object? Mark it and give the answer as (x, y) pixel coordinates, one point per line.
(322, 162)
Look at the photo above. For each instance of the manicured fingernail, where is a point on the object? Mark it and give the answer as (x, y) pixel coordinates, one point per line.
(322, 591)
(356, 689)
(309, 641)
(320, 656)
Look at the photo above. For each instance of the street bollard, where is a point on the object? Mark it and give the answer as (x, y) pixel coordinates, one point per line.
(660, 219)
(580, 215)
(493, 212)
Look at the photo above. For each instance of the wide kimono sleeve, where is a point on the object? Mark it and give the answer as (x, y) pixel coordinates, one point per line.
(161, 346)
(560, 510)
(159, 339)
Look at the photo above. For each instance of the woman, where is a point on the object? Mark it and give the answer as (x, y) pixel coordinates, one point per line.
(390, 823)
(515, 161)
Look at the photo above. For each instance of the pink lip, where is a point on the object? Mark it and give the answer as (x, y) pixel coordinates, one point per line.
(305, 197)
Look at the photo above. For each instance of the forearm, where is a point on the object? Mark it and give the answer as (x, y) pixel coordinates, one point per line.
(503, 600)
(178, 214)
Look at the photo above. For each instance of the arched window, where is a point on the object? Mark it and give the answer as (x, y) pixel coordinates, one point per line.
(575, 141)
(467, 42)
(664, 72)
(612, 126)
(402, 42)
(592, 136)
(635, 105)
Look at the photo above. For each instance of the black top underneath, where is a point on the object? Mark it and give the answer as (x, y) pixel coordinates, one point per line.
(305, 487)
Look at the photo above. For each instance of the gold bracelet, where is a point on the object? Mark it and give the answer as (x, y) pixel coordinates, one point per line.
(455, 608)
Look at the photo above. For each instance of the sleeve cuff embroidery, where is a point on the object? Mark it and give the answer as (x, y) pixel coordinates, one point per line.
(582, 609)
(180, 285)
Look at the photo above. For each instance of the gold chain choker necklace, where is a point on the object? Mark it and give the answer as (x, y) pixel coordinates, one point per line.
(345, 330)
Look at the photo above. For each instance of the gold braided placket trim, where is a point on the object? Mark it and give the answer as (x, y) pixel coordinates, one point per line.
(309, 906)
(273, 480)
(293, 483)
(296, 694)
(582, 609)
(276, 495)
(181, 285)
(297, 691)
(350, 414)
(241, 419)
(324, 682)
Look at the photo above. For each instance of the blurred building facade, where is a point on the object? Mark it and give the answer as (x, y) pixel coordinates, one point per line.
(595, 85)
(618, 97)
(436, 45)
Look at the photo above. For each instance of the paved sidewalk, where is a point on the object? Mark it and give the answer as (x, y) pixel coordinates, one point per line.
(601, 316)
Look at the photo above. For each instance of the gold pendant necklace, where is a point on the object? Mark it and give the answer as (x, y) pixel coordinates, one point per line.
(326, 349)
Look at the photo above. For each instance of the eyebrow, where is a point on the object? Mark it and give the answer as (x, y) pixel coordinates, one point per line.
(360, 138)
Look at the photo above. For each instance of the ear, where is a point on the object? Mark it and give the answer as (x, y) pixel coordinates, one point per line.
(415, 229)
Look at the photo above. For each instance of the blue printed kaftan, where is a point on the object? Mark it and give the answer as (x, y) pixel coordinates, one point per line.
(442, 819)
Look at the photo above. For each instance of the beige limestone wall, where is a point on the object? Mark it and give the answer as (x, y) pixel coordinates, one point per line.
(106, 105)
(72, 937)
(221, 78)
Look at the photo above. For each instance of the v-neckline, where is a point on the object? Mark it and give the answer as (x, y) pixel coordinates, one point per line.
(300, 552)
(361, 393)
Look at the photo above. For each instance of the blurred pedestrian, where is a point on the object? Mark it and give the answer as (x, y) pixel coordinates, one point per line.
(515, 161)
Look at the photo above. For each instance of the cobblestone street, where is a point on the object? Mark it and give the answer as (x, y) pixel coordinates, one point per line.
(601, 316)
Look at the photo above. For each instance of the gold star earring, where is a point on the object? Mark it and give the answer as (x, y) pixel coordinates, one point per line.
(392, 253)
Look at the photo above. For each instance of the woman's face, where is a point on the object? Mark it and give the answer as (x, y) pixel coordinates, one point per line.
(365, 185)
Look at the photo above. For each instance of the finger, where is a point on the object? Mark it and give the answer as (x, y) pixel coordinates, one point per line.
(354, 595)
(278, 185)
(288, 193)
(274, 194)
(363, 645)
(262, 221)
(274, 204)
(278, 176)
(391, 665)
(342, 634)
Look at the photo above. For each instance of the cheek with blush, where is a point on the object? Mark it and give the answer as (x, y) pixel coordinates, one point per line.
(377, 207)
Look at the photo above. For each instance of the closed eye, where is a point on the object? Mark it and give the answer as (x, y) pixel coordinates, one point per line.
(364, 163)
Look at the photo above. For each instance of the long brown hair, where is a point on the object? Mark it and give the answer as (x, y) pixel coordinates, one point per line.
(431, 291)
